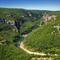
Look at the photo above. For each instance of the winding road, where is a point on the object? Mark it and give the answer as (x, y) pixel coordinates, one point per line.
(30, 52)
(34, 53)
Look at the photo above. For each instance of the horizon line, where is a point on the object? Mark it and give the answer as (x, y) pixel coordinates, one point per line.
(28, 8)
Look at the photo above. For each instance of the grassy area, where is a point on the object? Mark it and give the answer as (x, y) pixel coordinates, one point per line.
(12, 53)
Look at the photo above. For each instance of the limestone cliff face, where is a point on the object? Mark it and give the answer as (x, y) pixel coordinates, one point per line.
(47, 18)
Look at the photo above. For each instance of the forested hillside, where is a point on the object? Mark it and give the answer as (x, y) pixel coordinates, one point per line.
(45, 38)
(15, 24)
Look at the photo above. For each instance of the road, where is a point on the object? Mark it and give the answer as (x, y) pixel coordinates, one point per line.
(30, 52)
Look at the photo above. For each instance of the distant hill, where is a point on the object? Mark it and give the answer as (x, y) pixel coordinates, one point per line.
(33, 17)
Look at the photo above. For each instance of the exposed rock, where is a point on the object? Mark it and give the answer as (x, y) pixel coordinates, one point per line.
(10, 22)
(47, 18)
(2, 20)
(57, 27)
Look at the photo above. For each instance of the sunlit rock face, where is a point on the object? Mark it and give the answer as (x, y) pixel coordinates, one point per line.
(11, 22)
(47, 18)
